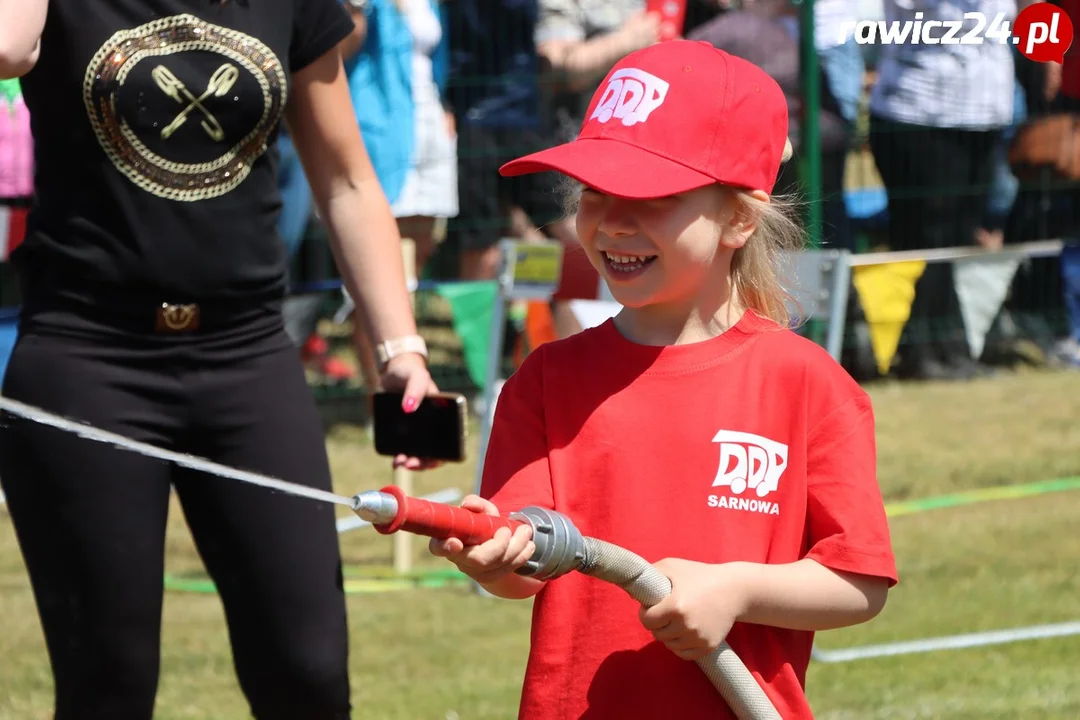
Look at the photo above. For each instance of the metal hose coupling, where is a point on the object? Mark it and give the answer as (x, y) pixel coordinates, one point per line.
(560, 547)
(378, 508)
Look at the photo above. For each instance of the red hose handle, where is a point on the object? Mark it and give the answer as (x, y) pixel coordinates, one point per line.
(439, 520)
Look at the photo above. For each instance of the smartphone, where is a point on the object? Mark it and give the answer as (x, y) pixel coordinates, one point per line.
(436, 430)
(672, 16)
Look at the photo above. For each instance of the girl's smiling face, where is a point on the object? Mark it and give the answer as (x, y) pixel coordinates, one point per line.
(664, 251)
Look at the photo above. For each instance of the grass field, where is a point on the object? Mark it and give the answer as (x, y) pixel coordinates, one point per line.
(446, 653)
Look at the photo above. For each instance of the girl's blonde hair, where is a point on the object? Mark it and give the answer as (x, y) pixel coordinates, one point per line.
(756, 267)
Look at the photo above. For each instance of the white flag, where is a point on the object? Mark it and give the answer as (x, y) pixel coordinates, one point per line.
(982, 284)
(5, 229)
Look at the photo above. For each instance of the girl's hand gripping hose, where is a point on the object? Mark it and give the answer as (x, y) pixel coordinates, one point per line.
(560, 549)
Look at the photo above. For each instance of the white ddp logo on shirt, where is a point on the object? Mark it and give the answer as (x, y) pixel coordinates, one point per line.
(748, 462)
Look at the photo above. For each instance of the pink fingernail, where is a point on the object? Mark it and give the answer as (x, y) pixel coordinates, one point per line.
(410, 404)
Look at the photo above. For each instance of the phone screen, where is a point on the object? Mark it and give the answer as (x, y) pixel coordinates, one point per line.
(436, 430)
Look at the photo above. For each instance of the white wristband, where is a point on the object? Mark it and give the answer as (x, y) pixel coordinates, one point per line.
(410, 344)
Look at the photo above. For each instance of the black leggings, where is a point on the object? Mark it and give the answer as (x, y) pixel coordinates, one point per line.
(90, 519)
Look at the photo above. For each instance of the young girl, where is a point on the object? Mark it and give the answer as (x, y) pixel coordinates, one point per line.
(694, 428)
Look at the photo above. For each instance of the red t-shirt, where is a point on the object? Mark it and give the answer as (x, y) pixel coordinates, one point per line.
(645, 447)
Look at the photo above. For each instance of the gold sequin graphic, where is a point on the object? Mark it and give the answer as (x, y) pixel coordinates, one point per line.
(154, 42)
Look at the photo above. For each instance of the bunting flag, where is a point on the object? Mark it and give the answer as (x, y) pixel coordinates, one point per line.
(982, 286)
(12, 229)
(9, 332)
(539, 324)
(10, 91)
(538, 327)
(886, 292)
(16, 180)
(591, 313)
(472, 305)
(16, 143)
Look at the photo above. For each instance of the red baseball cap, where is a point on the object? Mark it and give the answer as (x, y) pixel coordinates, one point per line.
(674, 117)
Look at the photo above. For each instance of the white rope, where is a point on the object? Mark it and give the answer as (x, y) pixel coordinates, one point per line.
(189, 461)
(1038, 248)
(948, 642)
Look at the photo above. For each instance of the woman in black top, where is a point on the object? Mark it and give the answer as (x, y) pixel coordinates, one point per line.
(152, 279)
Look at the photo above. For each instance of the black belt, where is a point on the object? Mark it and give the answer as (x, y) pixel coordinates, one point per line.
(177, 318)
(140, 310)
(157, 317)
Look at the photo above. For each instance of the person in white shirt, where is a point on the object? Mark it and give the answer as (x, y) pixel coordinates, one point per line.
(936, 112)
(842, 61)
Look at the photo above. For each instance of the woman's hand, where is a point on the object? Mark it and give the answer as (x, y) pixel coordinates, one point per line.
(409, 374)
(641, 30)
(21, 25)
(1053, 81)
(492, 560)
(705, 601)
(355, 41)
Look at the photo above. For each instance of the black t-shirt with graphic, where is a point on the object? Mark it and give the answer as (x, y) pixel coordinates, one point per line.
(154, 123)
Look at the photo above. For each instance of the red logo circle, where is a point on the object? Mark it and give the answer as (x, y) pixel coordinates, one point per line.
(1043, 32)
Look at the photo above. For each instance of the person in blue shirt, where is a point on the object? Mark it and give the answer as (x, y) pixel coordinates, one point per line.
(398, 102)
(395, 83)
(296, 199)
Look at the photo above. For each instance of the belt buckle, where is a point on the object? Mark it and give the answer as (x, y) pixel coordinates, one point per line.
(174, 318)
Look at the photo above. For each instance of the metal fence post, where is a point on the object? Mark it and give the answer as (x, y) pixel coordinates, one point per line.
(810, 132)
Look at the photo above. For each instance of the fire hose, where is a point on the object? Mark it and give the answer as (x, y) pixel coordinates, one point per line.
(561, 549)
(560, 546)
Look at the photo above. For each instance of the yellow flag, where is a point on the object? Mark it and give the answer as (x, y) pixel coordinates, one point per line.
(886, 292)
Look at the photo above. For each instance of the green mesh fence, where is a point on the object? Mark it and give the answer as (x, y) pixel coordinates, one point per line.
(877, 215)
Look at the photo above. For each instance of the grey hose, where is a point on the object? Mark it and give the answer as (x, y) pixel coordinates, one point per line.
(648, 586)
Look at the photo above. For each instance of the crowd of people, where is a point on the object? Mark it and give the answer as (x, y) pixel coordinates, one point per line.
(471, 84)
(446, 91)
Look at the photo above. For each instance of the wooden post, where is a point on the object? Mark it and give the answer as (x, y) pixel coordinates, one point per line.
(403, 540)
(403, 551)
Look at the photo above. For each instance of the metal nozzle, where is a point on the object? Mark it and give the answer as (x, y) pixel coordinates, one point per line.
(560, 547)
(378, 508)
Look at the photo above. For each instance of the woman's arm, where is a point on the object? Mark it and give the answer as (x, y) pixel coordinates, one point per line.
(581, 63)
(363, 232)
(352, 44)
(21, 23)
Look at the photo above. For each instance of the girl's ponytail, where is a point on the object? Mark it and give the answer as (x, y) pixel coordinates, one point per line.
(756, 266)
